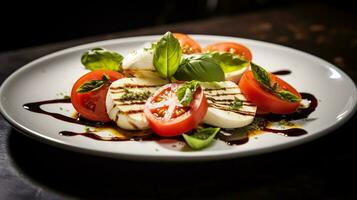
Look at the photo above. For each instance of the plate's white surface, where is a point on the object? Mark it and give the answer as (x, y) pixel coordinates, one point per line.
(47, 77)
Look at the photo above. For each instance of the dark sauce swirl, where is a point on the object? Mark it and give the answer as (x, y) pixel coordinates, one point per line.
(125, 135)
(236, 136)
(241, 135)
(282, 72)
(36, 107)
(92, 135)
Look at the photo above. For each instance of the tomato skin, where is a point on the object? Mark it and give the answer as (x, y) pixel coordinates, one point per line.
(266, 101)
(181, 124)
(91, 105)
(230, 47)
(261, 112)
(188, 45)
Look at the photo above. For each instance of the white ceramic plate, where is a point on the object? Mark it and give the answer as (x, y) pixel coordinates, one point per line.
(49, 76)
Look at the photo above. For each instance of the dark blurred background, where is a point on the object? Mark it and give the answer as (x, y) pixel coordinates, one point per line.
(321, 169)
(31, 24)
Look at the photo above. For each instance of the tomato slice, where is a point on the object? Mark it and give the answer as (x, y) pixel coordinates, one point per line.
(230, 47)
(266, 101)
(91, 105)
(168, 117)
(188, 45)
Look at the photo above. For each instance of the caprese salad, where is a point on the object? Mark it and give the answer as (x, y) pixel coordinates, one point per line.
(175, 87)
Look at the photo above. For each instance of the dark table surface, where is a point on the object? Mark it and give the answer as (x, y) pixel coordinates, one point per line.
(321, 169)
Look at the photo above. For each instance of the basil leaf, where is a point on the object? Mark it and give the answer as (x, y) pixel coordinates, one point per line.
(236, 104)
(201, 138)
(229, 62)
(185, 92)
(201, 68)
(288, 96)
(93, 85)
(261, 75)
(167, 55)
(99, 59)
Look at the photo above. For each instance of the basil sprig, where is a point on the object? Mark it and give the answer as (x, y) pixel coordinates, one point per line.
(288, 96)
(199, 67)
(167, 56)
(186, 91)
(201, 138)
(229, 62)
(93, 85)
(263, 77)
(102, 59)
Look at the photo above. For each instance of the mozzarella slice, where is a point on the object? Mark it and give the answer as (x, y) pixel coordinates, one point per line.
(139, 63)
(126, 99)
(219, 97)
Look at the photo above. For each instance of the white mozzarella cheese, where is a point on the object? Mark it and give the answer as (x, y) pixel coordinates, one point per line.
(126, 99)
(139, 63)
(220, 113)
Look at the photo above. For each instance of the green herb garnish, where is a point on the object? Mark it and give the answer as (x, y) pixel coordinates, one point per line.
(93, 85)
(102, 59)
(200, 68)
(263, 78)
(87, 130)
(167, 56)
(236, 104)
(186, 91)
(288, 96)
(201, 138)
(138, 96)
(229, 62)
(151, 48)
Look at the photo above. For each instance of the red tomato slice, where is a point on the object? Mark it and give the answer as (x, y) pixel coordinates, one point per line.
(188, 45)
(167, 117)
(230, 47)
(91, 105)
(266, 101)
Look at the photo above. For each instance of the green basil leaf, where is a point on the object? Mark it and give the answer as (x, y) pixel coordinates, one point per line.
(229, 62)
(236, 104)
(167, 55)
(93, 85)
(200, 68)
(201, 138)
(261, 75)
(102, 59)
(288, 96)
(185, 92)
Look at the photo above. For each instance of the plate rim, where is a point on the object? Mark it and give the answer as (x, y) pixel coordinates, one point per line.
(219, 155)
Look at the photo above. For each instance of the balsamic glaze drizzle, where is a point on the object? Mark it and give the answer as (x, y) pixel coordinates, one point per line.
(282, 72)
(36, 107)
(230, 136)
(292, 132)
